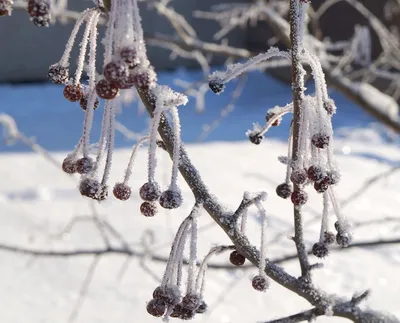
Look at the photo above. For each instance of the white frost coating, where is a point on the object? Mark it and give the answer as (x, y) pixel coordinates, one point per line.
(103, 138)
(302, 21)
(111, 137)
(279, 113)
(340, 217)
(178, 260)
(236, 69)
(152, 163)
(128, 170)
(193, 250)
(324, 221)
(243, 224)
(289, 157)
(93, 17)
(263, 244)
(10, 130)
(109, 37)
(380, 101)
(177, 148)
(64, 61)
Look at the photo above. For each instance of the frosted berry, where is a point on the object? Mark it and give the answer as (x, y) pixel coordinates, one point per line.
(182, 312)
(156, 307)
(159, 293)
(148, 209)
(5, 7)
(91, 188)
(38, 8)
(284, 190)
(343, 239)
(320, 250)
(126, 83)
(337, 227)
(122, 191)
(255, 138)
(322, 185)
(106, 90)
(298, 177)
(333, 177)
(329, 107)
(329, 237)
(299, 197)
(259, 283)
(73, 92)
(83, 102)
(41, 21)
(170, 295)
(116, 71)
(216, 86)
(58, 74)
(269, 116)
(129, 56)
(143, 79)
(320, 140)
(236, 258)
(69, 165)
(150, 191)
(171, 199)
(84, 165)
(315, 173)
(202, 308)
(191, 301)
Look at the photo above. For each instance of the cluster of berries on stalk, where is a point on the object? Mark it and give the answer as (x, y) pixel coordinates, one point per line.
(314, 163)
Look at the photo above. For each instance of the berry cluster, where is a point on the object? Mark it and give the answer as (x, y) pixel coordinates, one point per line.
(6, 7)
(39, 11)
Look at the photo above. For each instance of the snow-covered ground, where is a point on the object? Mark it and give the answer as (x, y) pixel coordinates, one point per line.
(37, 201)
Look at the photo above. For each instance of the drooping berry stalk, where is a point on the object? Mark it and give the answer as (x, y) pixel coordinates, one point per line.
(128, 170)
(111, 139)
(176, 150)
(193, 250)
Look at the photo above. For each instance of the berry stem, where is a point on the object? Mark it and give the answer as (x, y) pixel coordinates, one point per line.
(340, 217)
(128, 171)
(176, 149)
(193, 249)
(152, 163)
(263, 243)
(110, 148)
(289, 163)
(109, 37)
(325, 212)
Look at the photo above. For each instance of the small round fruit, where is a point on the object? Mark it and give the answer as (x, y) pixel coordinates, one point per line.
(320, 250)
(256, 138)
(299, 197)
(182, 312)
(122, 191)
(69, 165)
(129, 56)
(320, 140)
(298, 177)
(191, 301)
(89, 187)
(73, 92)
(333, 177)
(202, 308)
(284, 190)
(329, 237)
(216, 86)
(315, 173)
(150, 191)
(343, 239)
(84, 165)
(115, 71)
(58, 74)
(106, 90)
(259, 283)
(322, 185)
(156, 307)
(38, 8)
(171, 199)
(148, 209)
(236, 258)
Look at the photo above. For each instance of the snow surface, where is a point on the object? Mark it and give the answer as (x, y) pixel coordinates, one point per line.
(37, 201)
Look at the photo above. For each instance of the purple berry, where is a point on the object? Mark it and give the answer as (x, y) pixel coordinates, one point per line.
(299, 177)
(171, 199)
(191, 301)
(156, 307)
(216, 86)
(116, 71)
(259, 283)
(58, 74)
(148, 209)
(299, 197)
(150, 191)
(84, 165)
(320, 140)
(284, 190)
(255, 138)
(236, 258)
(106, 90)
(122, 191)
(329, 237)
(315, 173)
(322, 185)
(69, 165)
(320, 250)
(73, 92)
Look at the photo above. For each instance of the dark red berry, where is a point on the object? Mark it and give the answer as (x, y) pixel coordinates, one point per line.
(320, 140)
(236, 258)
(182, 312)
(284, 190)
(322, 185)
(159, 293)
(58, 74)
(84, 165)
(73, 92)
(329, 237)
(116, 71)
(320, 250)
(169, 295)
(333, 177)
(202, 308)
(156, 307)
(38, 8)
(69, 165)
(143, 79)
(299, 197)
(148, 209)
(343, 239)
(93, 189)
(338, 227)
(122, 191)
(298, 176)
(255, 138)
(106, 90)
(5, 7)
(150, 191)
(269, 116)
(191, 301)
(41, 21)
(315, 173)
(259, 283)
(129, 56)
(216, 86)
(171, 199)
(83, 102)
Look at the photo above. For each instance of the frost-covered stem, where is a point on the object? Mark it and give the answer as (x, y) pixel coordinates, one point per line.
(103, 137)
(289, 162)
(128, 171)
(308, 316)
(110, 148)
(193, 250)
(177, 145)
(340, 217)
(297, 89)
(153, 140)
(277, 116)
(178, 260)
(263, 243)
(324, 222)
